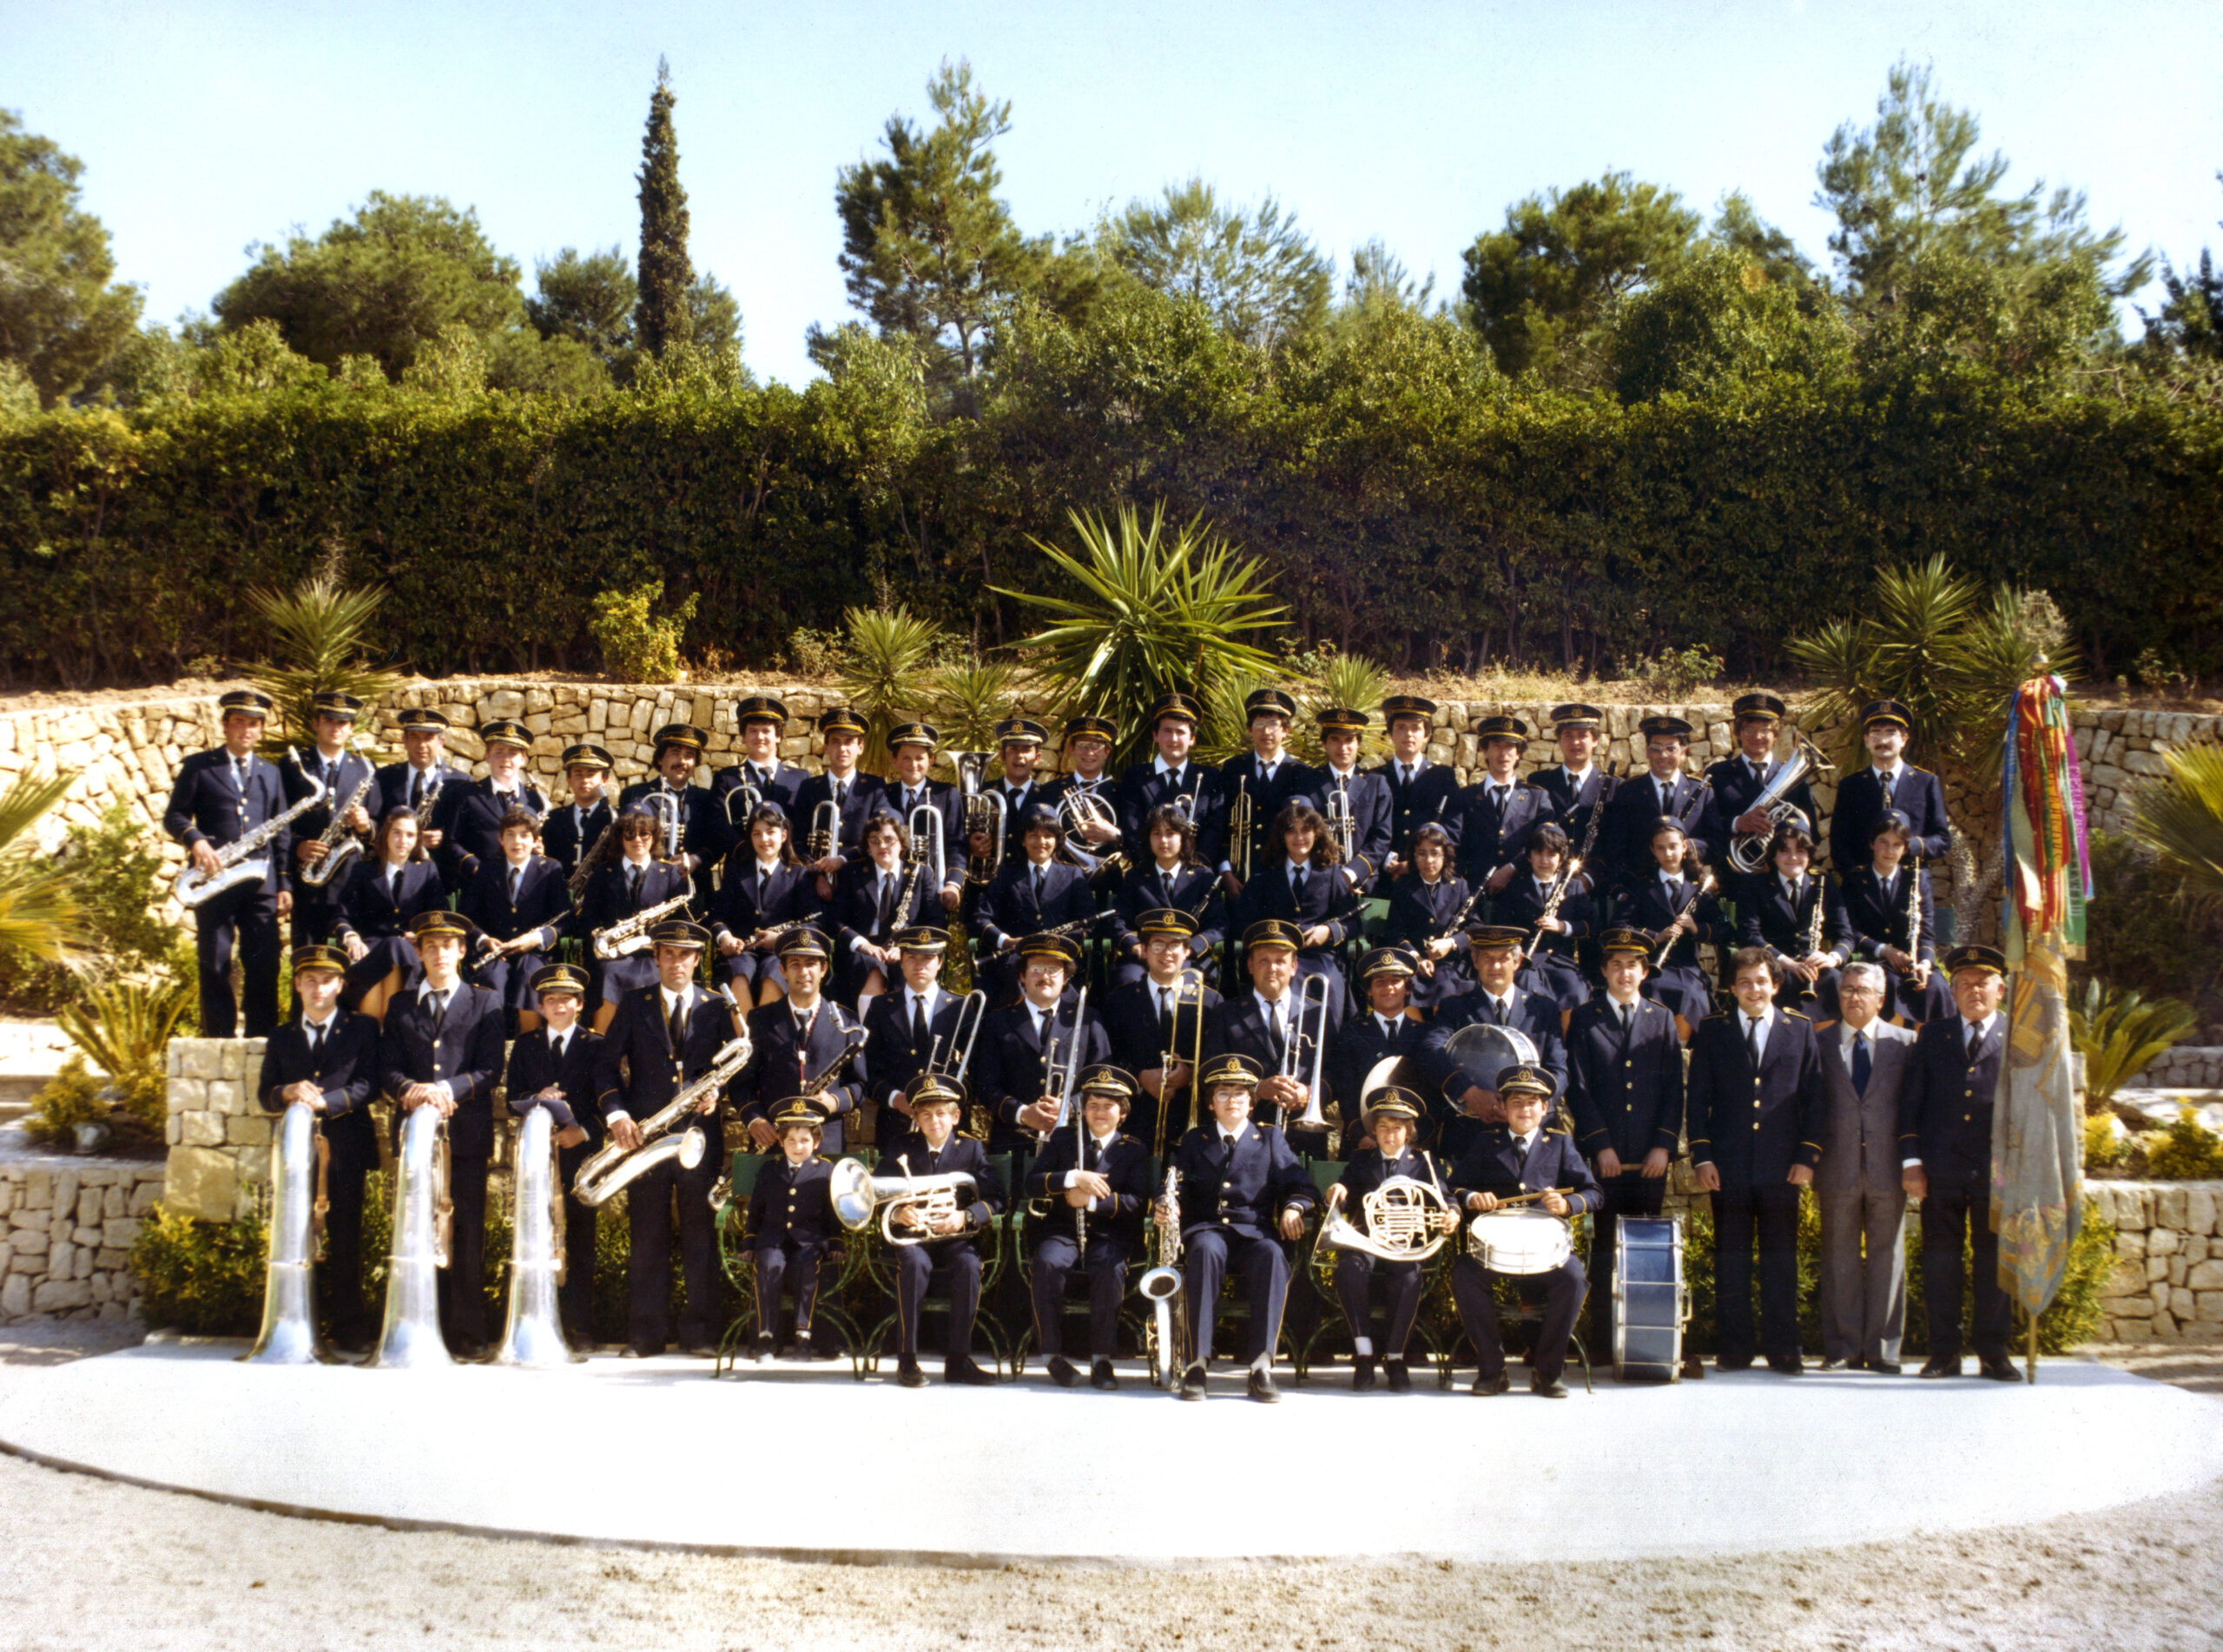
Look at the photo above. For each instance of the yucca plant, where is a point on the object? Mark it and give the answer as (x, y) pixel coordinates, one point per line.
(2120, 1032)
(124, 1026)
(1344, 680)
(1936, 642)
(1156, 610)
(321, 637)
(40, 918)
(881, 670)
(969, 699)
(1225, 730)
(2179, 817)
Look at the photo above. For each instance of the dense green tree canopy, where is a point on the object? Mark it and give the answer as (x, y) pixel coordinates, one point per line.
(1259, 275)
(62, 314)
(664, 317)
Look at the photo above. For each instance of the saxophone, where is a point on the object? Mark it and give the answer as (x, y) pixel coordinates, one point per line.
(1161, 1288)
(234, 867)
(613, 1168)
(340, 844)
(629, 935)
(592, 858)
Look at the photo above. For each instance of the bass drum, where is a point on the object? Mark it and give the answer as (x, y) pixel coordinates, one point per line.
(1651, 1302)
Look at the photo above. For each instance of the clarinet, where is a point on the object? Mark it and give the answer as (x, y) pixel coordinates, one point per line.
(1560, 885)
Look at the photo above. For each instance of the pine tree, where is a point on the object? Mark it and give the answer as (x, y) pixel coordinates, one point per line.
(664, 317)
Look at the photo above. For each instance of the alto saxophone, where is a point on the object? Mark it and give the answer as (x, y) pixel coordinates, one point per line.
(340, 844)
(629, 935)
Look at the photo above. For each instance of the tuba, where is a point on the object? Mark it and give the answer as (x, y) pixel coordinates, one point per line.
(613, 1168)
(298, 1158)
(856, 1194)
(1161, 1288)
(534, 1334)
(422, 1212)
(1748, 850)
(1400, 1222)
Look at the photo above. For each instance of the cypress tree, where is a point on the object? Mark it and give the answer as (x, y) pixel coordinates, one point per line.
(663, 318)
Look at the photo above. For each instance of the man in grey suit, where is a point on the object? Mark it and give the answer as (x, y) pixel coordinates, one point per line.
(1863, 1301)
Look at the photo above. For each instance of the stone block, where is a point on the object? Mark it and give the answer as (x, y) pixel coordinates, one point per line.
(84, 1236)
(224, 1096)
(61, 1260)
(2177, 1270)
(2195, 1249)
(15, 1296)
(2199, 1208)
(202, 1130)
(40, 1220)
(115, 1201)
(22, 1260)
(2128, 1280)
(107, 1259)
(146, 1196)
(203, 1181)
(231, 1059)
(187, 1095)
(2163, 1242)
(38, 1190)
(2205, 1276)
(2130, 1244)
(88, 1206)
(65, 1192)
(55, 1294)
(201, 1058)
(2172, 1207)
(120, 1233)
(2181, 1305)
(248, 1130)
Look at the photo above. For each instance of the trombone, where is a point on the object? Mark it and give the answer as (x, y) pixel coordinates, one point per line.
(962, 1037)
(1187, 992)
(1315, 1116)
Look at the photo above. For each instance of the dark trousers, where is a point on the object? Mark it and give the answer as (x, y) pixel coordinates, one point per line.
(1056, 1255)
(462, 1287)
(648, 1272)
(1561, 1290)
(316, 914)
(1626, 1194)
(1356, 1273)
(1264, 1264)
(248, 917)
(1950, 1216)
(958, 1266)
(342, 1267)
(809, 1261)
(575, 1296)
(1769, 1214)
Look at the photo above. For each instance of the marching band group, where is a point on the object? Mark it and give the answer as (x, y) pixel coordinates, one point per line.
(1173, 981)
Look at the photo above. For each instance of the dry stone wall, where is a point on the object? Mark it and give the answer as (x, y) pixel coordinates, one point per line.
(66, 1227)
(2167, 1285)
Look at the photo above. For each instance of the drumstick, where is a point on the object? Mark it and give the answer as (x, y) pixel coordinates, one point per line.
(1524, 1198)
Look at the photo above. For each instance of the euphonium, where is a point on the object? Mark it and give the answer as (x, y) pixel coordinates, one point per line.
(1161, 1288)
(614, 1169)
(1400, 1222)
(289, 1335)
(856, 1194)
(534, 1334)
(411, 1335)
(1748, 850)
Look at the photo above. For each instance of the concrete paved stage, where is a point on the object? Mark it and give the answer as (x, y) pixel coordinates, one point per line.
(654, 1451)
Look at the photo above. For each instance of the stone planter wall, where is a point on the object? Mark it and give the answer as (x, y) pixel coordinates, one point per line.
(219, 1135)
(2187, 1067)
(66, 1225)
(2167, 1285)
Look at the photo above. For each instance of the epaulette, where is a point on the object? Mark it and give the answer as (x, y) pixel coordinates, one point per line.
(963, 1135)
(1554, 1129)
(1720, 1015)
(1793, 1015)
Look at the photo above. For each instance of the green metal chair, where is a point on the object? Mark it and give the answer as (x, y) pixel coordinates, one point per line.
(879, 1269)
(737, 1257)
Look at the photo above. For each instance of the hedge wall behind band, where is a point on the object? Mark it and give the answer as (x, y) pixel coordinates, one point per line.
(1409, 503)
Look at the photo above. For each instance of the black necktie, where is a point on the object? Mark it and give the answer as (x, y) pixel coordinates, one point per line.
(1498, 794)
(1628, 1015)
(1521, 1156)
(887, 899)
(1976, 1043)
(1860, 1063)
(1276, 1034)
(633, 885)
(417, 788)
(918, 1023)
(1667, 797)
(1296, 885)
(1405, 770)
(1038, 889)
(316, 1044)
(1165, 1017)
(556, 1045)
(439, 1013)
(516, 874)
(1752, 1039)
(676, 1021)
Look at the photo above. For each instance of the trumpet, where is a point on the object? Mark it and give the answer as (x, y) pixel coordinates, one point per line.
(1403, 1222)
(1077, 812)
(1335, 809)
(857, 1194)
(1161, 1288)
(613, 1168)
(825, 831)
(1748, 850)
(629, 935)
(1315, 1116)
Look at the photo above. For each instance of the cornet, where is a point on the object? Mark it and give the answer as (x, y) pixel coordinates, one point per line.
(1335, 809)
(825, 831)
(856, 1194)
(665, 807)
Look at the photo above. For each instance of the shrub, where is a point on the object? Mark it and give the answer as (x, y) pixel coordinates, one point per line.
(2188, 1151)
(637, 646)
(2104, 1148)
(126, 1026)
(202, 1277)
(816, 654)
(114, 877)
(2141, 935)
(1673, 676)
(2119, 1034)
(71, 1097)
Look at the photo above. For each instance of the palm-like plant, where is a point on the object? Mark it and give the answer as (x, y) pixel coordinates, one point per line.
(881, 670)
(124, 1026)
(321, 635)
(1224, 731)
(1156, 611)
(40, 918)
(2119, 1033)
(2179, 817)
(1935, 642)
(1345, 681)
(969, 699)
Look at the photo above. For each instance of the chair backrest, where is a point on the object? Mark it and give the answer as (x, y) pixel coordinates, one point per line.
(744, 1174)
(1326, 1171)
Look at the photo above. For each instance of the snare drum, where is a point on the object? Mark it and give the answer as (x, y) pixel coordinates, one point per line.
(1519, 1241)
(1651, 1302)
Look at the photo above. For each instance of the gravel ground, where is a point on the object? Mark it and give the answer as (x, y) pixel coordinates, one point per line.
(92, 1563)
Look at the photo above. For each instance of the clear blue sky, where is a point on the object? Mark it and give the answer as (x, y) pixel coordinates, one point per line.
(205, 128)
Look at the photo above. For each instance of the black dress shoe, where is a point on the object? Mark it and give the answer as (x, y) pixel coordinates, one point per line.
(1942, 1367)
(1362, 1375)
(1100, 1376)
(1062, 1372)
(966, 1374)
(1997, 1367)
(907, 1373)
(1191, 1385)
(634, 1350)
(1786, 1365)
(1732, 1362)
(1883, 1367)
(1547, 1387)
(1399, 1379)
(1492, 1382)
(1830, 1362)
(1262, 1387)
